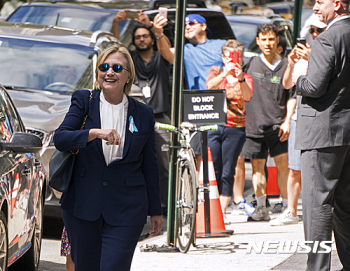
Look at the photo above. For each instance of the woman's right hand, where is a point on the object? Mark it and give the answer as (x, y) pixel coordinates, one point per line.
(110, 135)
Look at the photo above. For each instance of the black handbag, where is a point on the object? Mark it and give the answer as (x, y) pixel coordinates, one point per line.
(62, 163)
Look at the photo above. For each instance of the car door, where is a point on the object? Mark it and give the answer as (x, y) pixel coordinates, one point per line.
(18, 171)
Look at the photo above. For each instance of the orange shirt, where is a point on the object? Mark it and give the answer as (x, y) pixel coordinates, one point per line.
(235, 102)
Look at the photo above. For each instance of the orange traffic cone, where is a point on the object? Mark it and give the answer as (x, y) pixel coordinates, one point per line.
(272, 188)
(217, 225)
(14, 193)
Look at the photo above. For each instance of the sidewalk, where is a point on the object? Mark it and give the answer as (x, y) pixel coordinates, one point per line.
(229, 253)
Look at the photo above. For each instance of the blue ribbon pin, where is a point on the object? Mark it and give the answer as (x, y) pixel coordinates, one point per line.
(132, 126)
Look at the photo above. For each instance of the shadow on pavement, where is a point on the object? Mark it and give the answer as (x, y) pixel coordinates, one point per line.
(44, 266)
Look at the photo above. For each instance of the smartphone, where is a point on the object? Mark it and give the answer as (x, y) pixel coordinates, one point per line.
(234, 56)
(131, 14)
(302, 41)
(163, 12)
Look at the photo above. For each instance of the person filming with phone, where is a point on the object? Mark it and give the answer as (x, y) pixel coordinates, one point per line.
(152, 71)
(227, 142)
(297, 59)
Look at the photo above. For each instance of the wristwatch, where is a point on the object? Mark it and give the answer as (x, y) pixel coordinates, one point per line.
(241, 81)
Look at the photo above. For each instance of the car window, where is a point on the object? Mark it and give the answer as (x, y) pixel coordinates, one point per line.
(244, 32)
(83, 19)
(46, 66)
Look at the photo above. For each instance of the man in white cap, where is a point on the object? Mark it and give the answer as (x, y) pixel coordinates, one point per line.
(312, 28)
(297, 59)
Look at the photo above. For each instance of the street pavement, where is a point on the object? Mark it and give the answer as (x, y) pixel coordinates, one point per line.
(215, 254)
(230, 253)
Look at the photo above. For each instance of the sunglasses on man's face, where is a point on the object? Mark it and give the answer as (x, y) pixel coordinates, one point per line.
(192, 23)
(318, 30)
(116, 68)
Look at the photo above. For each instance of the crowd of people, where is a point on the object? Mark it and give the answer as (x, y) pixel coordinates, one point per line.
(294, 109)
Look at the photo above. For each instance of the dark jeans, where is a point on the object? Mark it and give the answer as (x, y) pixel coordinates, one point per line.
(226, 144)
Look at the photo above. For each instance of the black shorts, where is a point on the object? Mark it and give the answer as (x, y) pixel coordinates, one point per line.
(258, 148)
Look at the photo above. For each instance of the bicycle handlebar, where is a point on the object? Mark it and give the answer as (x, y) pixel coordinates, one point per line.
(172, 128)
(213, 127)
(164, 126)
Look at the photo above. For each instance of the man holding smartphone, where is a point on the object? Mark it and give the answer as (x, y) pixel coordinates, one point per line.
(297, 60)
(152, 71)
(200, 54)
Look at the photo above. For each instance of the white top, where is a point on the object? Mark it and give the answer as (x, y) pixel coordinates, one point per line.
(113, 117)
(273, 66)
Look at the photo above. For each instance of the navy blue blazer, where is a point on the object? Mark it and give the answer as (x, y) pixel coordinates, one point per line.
(125, 191)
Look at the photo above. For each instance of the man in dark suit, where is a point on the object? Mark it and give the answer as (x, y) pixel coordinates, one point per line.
(323, 135)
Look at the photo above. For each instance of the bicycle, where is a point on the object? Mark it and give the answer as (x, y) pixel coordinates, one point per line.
(186, 183)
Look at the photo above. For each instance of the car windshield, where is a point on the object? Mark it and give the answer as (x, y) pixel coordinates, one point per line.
(82, 19)
(40, 65)
(244, 32)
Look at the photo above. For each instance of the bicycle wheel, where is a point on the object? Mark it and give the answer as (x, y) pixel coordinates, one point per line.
(186, 205)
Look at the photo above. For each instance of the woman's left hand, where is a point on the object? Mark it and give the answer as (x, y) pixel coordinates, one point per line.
(156, 224)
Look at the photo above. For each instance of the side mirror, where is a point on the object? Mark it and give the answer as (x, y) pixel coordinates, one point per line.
(22, 143)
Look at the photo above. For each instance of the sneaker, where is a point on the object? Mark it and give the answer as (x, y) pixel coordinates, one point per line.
(285, 219)
(227, 221)
(278, 208)
(242, 208)
(260, 214)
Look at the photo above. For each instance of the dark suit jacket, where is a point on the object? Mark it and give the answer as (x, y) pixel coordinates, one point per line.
(125, 191)
(324, 110)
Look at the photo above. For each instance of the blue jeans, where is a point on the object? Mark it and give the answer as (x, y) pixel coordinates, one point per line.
(226, 144)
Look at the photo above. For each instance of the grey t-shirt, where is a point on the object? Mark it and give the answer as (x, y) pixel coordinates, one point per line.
(267, 109)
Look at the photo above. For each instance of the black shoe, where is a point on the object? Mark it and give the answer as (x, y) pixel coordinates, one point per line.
(278, 208)
(254, 203)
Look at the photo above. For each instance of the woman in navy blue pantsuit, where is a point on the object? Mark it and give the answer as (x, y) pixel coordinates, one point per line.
(115, 180)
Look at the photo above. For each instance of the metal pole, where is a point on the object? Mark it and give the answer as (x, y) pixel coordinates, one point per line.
(176, 113)
(206, 182)
(297, 20)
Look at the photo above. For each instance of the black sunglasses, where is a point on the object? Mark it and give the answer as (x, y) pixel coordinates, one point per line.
(192, 23)
(116, 68)
(318, 30)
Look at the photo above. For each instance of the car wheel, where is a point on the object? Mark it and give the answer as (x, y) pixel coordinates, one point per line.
(3, 242)
(30, 260)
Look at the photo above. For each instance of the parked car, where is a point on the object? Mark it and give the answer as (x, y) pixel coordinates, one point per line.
(22, 191)
(78, 15)
(85, 15)
(245, 27)
(43, 66)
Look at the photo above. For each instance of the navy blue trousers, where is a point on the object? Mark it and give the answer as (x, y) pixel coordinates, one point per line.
(226, 145)
(98, 246)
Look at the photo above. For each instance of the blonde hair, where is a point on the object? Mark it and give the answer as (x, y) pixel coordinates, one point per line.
(129, 64)
(232, 44)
